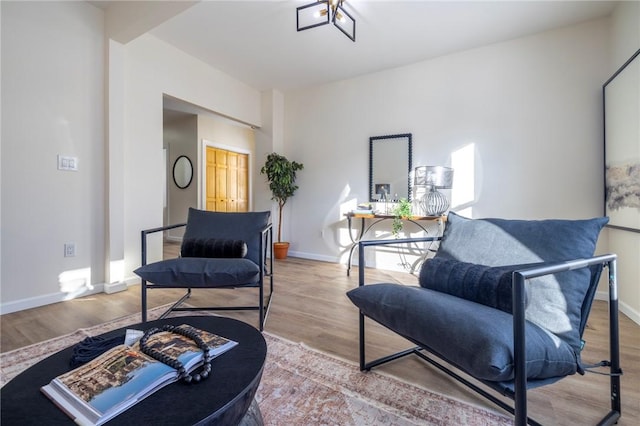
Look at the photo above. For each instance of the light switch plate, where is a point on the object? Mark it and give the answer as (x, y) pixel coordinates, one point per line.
(67, 163)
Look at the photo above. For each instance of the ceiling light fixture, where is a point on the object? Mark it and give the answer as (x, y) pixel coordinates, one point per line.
(323, 12)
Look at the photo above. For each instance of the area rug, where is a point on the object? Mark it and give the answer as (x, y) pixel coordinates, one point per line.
(303, 386)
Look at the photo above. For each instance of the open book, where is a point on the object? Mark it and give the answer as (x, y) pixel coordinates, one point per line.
(116, 380)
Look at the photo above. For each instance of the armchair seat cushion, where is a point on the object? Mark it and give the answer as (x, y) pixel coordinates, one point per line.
(475, 338)
(193, 272)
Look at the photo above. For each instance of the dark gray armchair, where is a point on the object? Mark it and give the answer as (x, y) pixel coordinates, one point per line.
(503, 301)
(219, 250)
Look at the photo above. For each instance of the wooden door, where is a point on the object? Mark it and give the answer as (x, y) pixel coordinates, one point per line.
(242, 183)
(227, 181)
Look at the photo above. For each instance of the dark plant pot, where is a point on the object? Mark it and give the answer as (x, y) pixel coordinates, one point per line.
(280, 250)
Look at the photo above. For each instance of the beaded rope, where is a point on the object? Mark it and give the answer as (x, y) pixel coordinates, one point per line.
(193, 377)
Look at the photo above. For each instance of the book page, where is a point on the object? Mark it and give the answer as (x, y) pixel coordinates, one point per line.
(114, 379)
(122, 376)
(185, 349)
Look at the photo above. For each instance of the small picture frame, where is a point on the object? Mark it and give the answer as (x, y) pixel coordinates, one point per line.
(383, 190)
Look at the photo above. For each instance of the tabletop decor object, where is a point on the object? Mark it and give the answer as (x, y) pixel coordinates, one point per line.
(433, 202)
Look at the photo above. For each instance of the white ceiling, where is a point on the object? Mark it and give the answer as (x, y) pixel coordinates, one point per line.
(257, 42)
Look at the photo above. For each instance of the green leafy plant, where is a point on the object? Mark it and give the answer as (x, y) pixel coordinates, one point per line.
(401, 210)
(281, 175)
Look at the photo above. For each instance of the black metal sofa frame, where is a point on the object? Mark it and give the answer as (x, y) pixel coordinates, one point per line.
(517, 391)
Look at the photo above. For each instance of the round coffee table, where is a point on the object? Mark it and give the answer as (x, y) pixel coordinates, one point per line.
(223, 398)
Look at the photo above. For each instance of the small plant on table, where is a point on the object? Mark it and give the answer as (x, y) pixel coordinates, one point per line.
(401, 211)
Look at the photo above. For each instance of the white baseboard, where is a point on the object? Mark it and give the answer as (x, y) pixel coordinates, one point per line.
(313, 256)
(132, 280)
(111, 288)
(47, 299)
(622, 307)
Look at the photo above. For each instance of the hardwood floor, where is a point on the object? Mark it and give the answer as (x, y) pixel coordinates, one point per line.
(310, 306)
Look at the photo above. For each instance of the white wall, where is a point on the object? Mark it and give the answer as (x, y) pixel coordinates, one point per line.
(625, 40)
(53, 76)
(152, 69)
(180, 138)
(530, 106)
(52, 103)
(269, 138)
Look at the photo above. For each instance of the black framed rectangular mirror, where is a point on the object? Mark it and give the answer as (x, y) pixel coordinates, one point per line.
(389, 167)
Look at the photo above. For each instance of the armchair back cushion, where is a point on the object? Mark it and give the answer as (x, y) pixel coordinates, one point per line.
(555, 303)
(244, 226)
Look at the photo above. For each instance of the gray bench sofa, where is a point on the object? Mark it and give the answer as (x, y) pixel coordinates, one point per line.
(504, 301)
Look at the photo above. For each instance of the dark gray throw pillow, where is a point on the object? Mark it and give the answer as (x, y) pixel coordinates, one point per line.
(213, 247)
(554, 302)
(488, 285)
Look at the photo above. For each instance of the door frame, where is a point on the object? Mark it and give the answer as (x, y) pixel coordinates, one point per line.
(202, 182)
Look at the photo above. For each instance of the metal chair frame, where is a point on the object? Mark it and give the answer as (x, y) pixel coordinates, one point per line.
(266, 270)
(519, 392)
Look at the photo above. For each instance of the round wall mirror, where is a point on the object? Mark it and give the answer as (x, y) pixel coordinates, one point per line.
(182, 172)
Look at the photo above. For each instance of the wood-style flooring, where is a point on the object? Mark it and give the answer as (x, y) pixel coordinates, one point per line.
(309, 305)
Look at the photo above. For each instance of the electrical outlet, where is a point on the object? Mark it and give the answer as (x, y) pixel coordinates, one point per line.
(69, 249)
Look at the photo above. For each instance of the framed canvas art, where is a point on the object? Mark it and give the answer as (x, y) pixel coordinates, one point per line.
(621, 98)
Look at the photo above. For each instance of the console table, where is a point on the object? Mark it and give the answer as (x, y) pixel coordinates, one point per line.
(375, 219)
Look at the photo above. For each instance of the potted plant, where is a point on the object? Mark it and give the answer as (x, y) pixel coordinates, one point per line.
(281, 175)
(401, 211)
